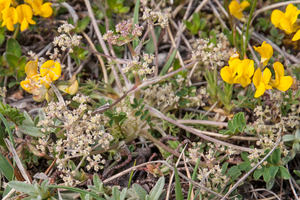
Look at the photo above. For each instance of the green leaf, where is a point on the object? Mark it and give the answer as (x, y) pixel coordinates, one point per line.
(273, 170)
(140, 191)
(6, 168)
(169, 63)
(178, 189)
(266, 175)
(136, 20)
(258, 172)
(123, 194)
(138, 113)
(22, 187)
(95, 196)
(243, 166)
(224, 167)
(11, 59)
(270, 184)
(13, 47)
(297, 172)
(274, 32)
(288, 138)
(276, 156)
(116, 193)
(157, 189)
(284, 173)
(245, 155)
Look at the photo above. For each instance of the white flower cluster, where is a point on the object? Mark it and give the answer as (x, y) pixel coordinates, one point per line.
(163, 96)
(3, 91)
(139, 67)
(80, 132)
(212, 179)
(159, 17)
(66, 40)
(210, 53)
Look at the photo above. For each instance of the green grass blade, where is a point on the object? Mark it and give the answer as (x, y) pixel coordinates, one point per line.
(131, 174)
(6, 168)
(169, 63)
(178, 191)
(136, 20)
(8, 130)
(193, 178)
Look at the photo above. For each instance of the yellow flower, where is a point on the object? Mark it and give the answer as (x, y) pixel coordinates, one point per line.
(51, 69)
(287, 21)
(3, 5)
(228, 73)
(10, 17)
(70, 87)
(261, 82)
(237, 9)
(31, 83)
(44, 10)
(265, 51)
(281, 82)
(245, 71)
(25, 16)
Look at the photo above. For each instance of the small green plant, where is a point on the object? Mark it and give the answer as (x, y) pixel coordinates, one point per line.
(270, 169)
(196, 25)
(236, 125)
(275, 36)
(292, 140)
(34, 191)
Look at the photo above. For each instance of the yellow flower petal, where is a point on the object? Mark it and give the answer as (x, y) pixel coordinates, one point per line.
(245, 4)
(266, 76)
(226, 74)
(296, 36)
(278, 67)
(276, 16)
(52, 68)
(257, 77)
(265, 51)
(285, 82)
(46, 10)
(260, 90)
(31, 68)
(286, 25)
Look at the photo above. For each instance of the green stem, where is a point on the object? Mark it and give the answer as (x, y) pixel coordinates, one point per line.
(259, 101)
(248, 24)
(242, 43)
(193, 178)
(16, 31)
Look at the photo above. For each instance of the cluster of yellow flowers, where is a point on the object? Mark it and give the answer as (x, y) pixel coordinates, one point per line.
(39, 83)
(241, 71)
(22, 13)
(287, 21)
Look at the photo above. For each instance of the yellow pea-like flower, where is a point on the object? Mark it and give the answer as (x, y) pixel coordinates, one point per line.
(265, 51)
(10, 17)
(228, 73)
(237, 9)
(25, 16)
(51, 69)
(281, 82)
(3, 5)
(245, 71)
(44, 10)
(261, 81)
(287, 21)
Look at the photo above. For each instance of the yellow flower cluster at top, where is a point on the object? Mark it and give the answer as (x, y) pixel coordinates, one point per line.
(22, 13)
(287, 21)
(241, 71)
(39, 83)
